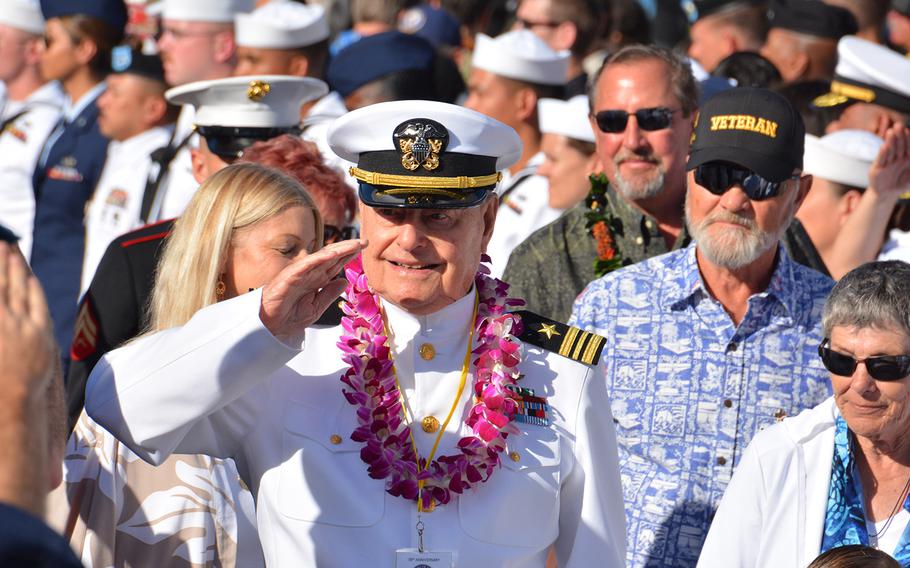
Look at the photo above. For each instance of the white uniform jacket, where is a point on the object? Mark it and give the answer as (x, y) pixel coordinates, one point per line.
(114, 207)
(223, 385)
(773, 511)
(523, 208)
(28, 125)
(178, 185)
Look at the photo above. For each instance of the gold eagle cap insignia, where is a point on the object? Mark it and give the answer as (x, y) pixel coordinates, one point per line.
(258, 90)
(420, 142)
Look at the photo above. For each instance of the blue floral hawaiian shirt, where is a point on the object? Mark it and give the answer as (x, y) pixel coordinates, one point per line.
(689, 389)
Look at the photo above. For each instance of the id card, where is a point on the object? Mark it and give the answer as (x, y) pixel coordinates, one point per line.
(413, 558)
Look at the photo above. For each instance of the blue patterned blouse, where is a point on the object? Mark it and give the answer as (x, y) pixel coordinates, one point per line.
(689, 388)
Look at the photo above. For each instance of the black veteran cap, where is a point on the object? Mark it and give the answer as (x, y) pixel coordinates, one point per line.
(870, 73)
(424, 154)
(127, 59)
(812, 17)
(754, 128)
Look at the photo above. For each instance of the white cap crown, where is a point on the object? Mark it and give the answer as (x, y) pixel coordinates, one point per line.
(282, 24)
(567, 118)
(521, 55)
(23, 15)
(843, 157)
(219, 11)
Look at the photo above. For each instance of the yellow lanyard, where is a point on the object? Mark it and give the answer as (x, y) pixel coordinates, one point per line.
(464, 377)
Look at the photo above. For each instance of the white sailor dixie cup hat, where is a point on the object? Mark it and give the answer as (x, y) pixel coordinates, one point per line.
(843, 157)
(23, 15)
(567, 118)
(870, 73)
(220, 11)
(233, 113)
(282, 24)
(424, 154)
(521, 55)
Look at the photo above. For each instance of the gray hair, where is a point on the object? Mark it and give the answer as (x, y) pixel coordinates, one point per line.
(876, 294)
(682, 81)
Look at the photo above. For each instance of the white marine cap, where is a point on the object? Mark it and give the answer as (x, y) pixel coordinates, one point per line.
(221, 11)
(23, 15)
(844, 156)
(424, 153)
(255, 101)
(521, 55)
(868, 72)
(282, 24)
(567, 118)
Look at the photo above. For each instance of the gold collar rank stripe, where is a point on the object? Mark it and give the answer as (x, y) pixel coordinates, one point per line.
(568, 341)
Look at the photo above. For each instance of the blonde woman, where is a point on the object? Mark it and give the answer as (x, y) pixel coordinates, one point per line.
(243, 226)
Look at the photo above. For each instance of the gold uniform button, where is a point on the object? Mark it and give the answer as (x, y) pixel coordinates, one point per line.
(515, 456)
(427, 352)
(335, 439)
(429, 424)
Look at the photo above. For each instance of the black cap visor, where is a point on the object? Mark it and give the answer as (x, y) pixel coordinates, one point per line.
(421, 198)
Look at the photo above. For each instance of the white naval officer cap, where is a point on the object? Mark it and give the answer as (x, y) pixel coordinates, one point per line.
(232, 113)
(843, 157)
(219, 11)
(519, 54)
(23, 15)
(567, 118)
(282, 24)
(871, 73)
(424, 154)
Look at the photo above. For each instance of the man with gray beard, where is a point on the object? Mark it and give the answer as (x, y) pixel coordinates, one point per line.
(711, 343)
(643, 103)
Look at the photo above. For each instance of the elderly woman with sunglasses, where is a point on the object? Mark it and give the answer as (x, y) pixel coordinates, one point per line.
(837, 474)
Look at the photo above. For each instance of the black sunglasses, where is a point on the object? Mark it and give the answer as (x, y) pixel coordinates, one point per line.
(615, 121)
(332, 234)
(884, 368)
(718, 177)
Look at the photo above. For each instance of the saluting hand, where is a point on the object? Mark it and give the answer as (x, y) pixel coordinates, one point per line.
(301, 292)
(890, 172)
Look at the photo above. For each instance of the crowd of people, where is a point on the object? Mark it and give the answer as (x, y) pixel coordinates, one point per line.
(455, 283)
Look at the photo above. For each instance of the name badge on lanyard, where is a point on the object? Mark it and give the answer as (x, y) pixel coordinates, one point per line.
(413, 558)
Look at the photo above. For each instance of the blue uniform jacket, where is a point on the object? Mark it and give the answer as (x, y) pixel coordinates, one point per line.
(62, 187)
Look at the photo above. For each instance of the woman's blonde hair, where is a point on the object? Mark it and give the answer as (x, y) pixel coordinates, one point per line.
(196, 252)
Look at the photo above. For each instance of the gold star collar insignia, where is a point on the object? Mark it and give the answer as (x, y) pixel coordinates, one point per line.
(548, 329)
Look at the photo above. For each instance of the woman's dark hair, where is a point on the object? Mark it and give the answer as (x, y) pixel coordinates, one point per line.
(748, 69)
(854, 556)
(103, 35)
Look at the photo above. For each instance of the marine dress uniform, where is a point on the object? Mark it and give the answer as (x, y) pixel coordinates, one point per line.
(280, 410)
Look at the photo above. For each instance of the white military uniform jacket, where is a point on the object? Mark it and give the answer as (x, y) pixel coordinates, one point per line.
(21, 142)
(224, 386)
(523, 209)
(114, 207)
(773, 511)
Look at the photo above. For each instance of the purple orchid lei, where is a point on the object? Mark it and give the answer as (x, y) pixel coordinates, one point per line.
(373, 389)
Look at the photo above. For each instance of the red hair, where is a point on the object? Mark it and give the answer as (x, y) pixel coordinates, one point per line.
(303, 161)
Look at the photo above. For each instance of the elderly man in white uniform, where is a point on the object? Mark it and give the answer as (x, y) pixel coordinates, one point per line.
(520, 458)
(510, 74)
(28, 113)
(134, 114)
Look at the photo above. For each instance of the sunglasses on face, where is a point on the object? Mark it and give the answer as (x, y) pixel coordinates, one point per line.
(332, 234)
(884, 368)
(718, 177)
(615, 121)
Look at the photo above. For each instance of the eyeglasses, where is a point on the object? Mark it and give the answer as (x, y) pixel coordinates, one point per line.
(884, 368)
(332, 234)
(718, 177)
(521, 23)
(650, 119)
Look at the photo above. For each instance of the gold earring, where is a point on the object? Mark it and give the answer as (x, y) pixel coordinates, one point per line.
(219, 289)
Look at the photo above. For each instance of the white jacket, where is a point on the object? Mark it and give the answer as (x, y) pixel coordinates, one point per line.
(224, 386)
(773, 511)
